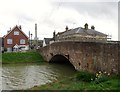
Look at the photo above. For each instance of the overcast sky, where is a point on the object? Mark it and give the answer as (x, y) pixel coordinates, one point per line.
(53, 15)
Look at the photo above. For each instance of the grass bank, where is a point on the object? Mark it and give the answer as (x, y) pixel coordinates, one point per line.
(83, 81)
(21, 57)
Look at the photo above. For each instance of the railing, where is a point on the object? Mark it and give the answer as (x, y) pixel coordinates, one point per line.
(78, 41)
(87, 41)
(113, 41)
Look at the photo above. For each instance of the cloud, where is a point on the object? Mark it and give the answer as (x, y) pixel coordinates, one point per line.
(104, 15)
(95, 9)
(53, 15)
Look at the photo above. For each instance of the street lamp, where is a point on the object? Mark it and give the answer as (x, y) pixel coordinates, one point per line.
(31, 39)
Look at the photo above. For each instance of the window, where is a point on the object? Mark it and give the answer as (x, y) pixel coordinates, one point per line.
(9, 41)
(16, 33)
(22, 41)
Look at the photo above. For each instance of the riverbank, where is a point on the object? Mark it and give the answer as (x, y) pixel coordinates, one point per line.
(21, 57)
(83, 82)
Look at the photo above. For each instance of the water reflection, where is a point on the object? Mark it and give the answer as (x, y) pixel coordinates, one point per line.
(29, 75)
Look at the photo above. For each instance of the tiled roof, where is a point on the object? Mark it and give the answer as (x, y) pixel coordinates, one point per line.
(13, 29)
(81, 30)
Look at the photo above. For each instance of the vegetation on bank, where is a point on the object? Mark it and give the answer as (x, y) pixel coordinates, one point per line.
(21, 57)
(84, 81)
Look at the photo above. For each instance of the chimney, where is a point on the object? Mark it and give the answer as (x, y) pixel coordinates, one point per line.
(29, 35)
(9, 30)
(36, 38)
(92, 27)
(66, 28)
(36, 31)
(54, 35)
(20, 26)
(86, 26)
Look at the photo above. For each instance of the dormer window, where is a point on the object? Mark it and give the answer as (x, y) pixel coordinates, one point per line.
(16, 33)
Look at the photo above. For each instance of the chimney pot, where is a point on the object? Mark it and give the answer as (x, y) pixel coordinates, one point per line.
(66, 28)
(8, 31)
(86, 26)
(20, 26)
(92, 27)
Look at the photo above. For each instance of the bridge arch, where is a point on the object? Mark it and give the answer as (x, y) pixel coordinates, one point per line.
(61, 59)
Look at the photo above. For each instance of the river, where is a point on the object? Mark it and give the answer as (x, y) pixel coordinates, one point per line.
(24, 76)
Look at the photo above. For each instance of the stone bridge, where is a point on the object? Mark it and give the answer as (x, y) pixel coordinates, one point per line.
(90, 56)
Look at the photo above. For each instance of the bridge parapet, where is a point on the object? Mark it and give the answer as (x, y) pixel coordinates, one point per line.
(91, 56)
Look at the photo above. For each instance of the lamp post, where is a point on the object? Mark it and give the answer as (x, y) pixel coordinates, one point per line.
(31, 39)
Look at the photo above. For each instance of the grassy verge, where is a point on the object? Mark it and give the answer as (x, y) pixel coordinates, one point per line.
(21, 57)
(78, 82)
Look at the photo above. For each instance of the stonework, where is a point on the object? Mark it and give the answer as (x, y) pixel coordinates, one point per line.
(90, 56)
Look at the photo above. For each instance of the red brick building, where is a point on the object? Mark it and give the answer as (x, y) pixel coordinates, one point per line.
(16, 40)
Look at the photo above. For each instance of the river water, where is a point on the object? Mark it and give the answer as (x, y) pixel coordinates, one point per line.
(24, 76)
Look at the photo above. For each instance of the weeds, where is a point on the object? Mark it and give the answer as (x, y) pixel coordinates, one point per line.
(85, 76)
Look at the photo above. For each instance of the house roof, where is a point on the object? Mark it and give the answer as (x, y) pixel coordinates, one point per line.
(47, 40)
(81, 30)
(13, 29)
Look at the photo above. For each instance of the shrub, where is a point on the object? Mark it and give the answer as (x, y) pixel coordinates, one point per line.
(85, 76)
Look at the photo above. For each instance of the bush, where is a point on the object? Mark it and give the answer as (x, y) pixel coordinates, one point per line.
(85, 76)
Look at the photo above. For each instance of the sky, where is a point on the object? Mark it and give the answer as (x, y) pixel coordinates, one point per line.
(55, 15)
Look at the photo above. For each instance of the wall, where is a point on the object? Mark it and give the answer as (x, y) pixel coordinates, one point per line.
(83, 37)
(91, 56)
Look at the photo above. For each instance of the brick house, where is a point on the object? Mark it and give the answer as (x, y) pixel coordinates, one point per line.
(15, 40)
